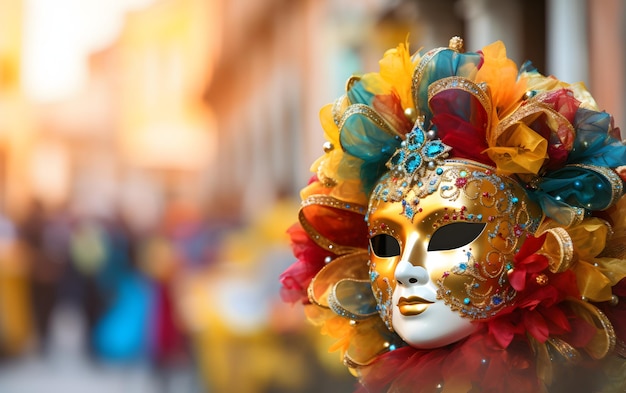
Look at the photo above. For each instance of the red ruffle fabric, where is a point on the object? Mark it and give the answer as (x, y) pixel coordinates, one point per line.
(310, 260)
(476, 364)
(461, 122)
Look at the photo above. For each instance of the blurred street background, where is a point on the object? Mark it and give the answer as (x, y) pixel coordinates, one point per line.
(151, 155)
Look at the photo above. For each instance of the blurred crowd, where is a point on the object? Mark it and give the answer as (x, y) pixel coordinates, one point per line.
(120, 281)
(189, 293)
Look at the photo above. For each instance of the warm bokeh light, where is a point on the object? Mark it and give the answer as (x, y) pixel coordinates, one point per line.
(58, 38)
(50, 172)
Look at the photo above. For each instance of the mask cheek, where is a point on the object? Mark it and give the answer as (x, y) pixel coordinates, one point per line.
(445, 269)
(383, 284)
(473, 284)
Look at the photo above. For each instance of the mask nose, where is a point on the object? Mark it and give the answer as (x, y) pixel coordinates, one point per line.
(409, 275)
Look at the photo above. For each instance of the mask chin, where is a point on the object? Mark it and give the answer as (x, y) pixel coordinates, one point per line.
(430, 325)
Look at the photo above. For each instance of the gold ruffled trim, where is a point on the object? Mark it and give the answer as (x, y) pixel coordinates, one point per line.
(620, 349)
(350, 266)
(604, 341)
(578, 215)
(568, 352)
(418, 73)
(466, 85)
(310, 291)
(338, 108)
(531, 108)
(325, 200)
(558, 248)
(322, 241)
(349, 361)
(351, 81)
(335, 304)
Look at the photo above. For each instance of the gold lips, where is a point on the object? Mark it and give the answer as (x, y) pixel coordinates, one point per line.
(413, 305)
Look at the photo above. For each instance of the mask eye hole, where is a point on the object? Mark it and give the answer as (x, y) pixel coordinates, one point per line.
(455, 235)
(385, 246)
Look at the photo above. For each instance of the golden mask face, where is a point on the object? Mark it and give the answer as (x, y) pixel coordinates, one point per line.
(450, 238)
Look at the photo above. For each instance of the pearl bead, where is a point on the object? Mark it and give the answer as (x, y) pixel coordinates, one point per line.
(431, 134)
(410, 114)
(328, 147)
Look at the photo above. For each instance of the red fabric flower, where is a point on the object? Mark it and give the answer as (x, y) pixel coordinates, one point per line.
(298, 276)
(528, 265)
(538, 308)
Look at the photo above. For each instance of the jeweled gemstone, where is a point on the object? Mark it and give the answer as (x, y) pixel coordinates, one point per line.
(412, 163)
(397, 158)
(434, 148)
(417, 138)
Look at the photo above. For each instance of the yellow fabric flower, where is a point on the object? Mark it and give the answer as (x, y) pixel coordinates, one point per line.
(594, 276)
(396, 68)
(500, 73)
(519, 150)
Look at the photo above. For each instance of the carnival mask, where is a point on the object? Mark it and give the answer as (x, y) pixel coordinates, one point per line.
(493, 232)
(441, 245)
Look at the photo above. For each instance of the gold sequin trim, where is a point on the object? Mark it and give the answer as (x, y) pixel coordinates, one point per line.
(620, 349)
(339, 107)
(348, 361)
(608, 329)
(339, 309)
(602, 323)
(568, 352)
(351, 81)
(310, 291)
(313, 298)
(563, 241)
(326, 200)
(418, 73)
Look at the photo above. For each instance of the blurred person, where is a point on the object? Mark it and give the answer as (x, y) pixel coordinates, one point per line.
(175, 245)
(87, 254)
(45, 270)
(16, 325)
(117, 300)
